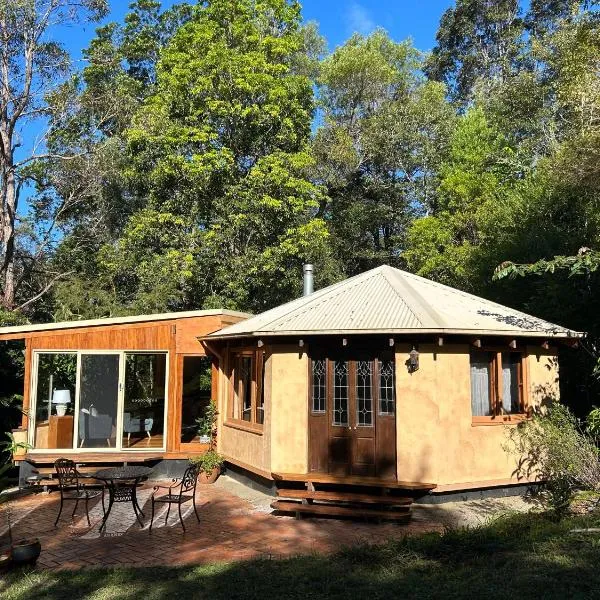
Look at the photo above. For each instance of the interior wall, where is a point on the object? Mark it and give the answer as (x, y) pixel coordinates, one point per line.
(436, 439)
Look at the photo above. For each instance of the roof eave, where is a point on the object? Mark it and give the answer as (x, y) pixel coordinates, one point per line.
(440, 331)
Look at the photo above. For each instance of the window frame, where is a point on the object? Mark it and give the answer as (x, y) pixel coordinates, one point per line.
(352, 361)
(235, 409)
(498, 416)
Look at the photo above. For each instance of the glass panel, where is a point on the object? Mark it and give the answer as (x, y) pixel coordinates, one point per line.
(260, 407)
(510, 382)
(480, 384)
(318, 386)
(54, 422)
(364, 392)
(340, 393)
(196, 394)
(98, 397)
(144, 401)
(245, 387)
(387, 388)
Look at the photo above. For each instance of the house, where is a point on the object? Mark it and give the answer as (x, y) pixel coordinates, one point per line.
(119, 389)
(385, 379)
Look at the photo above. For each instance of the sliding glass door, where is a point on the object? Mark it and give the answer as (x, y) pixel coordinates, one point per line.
(99, 400)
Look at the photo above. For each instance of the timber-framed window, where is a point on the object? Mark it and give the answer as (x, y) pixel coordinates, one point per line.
(497, 388)
(370, 381)
(247, 398)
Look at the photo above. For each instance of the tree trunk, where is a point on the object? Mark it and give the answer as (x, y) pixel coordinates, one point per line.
(7, 268)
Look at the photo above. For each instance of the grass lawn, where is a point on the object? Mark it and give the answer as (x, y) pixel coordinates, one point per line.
(516, 556)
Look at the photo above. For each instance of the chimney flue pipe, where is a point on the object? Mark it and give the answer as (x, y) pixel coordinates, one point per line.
(308, 280)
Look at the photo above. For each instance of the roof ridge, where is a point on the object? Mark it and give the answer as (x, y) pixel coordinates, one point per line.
(471, 296)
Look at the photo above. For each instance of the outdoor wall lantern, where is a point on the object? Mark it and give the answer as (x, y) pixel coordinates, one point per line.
(412, 364)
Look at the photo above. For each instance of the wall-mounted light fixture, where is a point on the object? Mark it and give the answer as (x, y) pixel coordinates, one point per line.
(412, 364)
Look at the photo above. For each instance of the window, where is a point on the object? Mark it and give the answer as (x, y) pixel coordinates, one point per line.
(340, 392)
(318, 376)
(387, 387)
(247, 402)
(496, 383)
(56, 372)
(364, 393)
(355, 389)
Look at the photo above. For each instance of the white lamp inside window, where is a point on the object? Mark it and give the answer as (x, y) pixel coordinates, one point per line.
(61, 398)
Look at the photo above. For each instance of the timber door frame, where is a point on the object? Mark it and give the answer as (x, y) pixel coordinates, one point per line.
(325, 438)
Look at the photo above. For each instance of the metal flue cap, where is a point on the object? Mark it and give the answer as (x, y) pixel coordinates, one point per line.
(308, 280)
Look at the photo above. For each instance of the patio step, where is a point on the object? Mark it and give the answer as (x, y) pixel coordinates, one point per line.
(337, 496)
(334, 510)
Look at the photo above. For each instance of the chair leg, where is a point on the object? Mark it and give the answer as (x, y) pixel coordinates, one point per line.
(103, 507)
(108, 442)
(75, 509)
(180, 517)
(82, 441)
(128, 438)
(168, 511)
(194, 503)
(59, 511)
(87, 512)
(152, 517)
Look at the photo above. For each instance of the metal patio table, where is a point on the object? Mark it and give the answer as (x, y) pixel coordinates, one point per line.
(122, 485)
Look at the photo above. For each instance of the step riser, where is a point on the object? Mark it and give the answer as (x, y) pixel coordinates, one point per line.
(340, 511)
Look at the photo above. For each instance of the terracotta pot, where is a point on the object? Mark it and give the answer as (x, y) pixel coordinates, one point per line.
(209, 477)
(26, 552)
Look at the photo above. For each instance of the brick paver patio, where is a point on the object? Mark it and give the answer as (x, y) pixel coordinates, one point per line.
(231, 528)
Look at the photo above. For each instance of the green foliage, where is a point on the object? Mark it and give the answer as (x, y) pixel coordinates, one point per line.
(12, 446)
(553, 449)
(385, 130)
(207, 424)
(209, 461)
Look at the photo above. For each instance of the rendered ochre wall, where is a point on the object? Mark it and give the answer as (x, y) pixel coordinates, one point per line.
(436, 439)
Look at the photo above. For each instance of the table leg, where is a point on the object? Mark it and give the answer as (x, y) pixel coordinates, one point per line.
(136, 507)
(111, 499)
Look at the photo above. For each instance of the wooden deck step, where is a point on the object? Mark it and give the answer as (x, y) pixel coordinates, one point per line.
(335, 496)
(353, 481)
(332, 510)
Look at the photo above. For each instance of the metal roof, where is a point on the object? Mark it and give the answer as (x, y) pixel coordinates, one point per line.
(388, 300)
(118, 321)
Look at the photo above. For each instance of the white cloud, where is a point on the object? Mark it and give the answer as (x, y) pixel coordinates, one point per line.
(359, 19)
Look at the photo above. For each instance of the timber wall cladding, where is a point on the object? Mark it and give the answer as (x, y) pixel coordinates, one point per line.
(177, 336)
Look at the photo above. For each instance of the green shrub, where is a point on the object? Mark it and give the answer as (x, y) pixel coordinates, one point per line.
(552, 448)
(208, 461)
(208, 423)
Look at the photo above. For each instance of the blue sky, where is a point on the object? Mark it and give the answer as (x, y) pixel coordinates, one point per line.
(337, 19)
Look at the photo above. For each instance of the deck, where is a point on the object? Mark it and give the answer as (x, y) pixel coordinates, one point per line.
(325, 478)
(354, 497)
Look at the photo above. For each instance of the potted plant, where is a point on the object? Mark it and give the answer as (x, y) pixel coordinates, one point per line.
(210, 464)
(21, 552)
(207, 425)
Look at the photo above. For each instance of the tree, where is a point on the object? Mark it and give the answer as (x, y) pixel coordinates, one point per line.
(32, 65)
(217, 171)
(478, 41)
(384, 131)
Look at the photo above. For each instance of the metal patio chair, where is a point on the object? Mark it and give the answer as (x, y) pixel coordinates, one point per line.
(179, 492)
(72, 489)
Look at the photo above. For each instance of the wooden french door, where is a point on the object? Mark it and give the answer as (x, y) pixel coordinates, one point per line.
(352, 427)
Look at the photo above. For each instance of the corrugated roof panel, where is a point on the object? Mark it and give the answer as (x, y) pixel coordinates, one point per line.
(390, 300)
